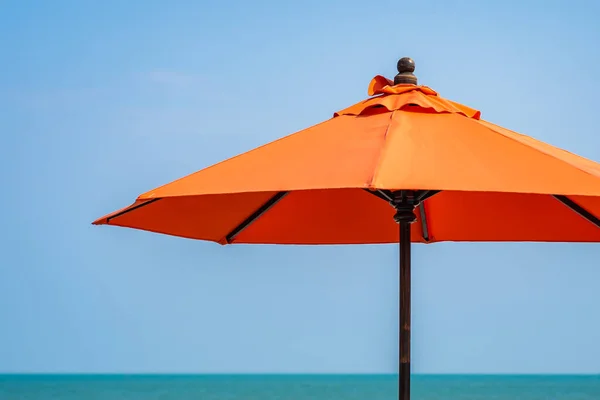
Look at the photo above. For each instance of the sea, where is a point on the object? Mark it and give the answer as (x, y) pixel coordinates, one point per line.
(296, 387)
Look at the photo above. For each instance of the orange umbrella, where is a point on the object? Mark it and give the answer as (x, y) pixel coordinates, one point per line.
(403, 155)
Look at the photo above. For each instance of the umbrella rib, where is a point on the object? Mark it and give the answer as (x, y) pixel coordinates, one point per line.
(578, 209)
(132, 209)
(424, 224)
(423, 195)
(254, 216)
(384, 195)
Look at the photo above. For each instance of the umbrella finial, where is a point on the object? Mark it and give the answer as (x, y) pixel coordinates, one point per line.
(406, 67)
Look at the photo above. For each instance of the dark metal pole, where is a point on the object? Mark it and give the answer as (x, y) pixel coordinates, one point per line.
(404, 323)
(404, 202)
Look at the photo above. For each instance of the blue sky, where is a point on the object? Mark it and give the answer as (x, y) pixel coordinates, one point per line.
(101, 101)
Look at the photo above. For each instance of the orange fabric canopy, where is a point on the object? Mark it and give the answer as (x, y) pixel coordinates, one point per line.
(312, 187)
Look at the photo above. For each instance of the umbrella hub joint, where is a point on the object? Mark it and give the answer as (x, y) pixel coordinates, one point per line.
(405, 201)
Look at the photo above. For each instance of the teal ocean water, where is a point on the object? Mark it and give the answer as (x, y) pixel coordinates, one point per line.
(295, 387)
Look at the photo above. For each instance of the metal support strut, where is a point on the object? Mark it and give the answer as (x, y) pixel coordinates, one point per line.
(404, 202)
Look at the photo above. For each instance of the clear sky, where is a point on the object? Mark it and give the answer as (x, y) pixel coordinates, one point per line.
(100, 101)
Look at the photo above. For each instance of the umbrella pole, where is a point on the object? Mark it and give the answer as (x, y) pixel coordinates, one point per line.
(404, 319)
(404, 202)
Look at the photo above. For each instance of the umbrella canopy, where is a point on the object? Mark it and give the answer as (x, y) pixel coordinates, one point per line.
(312, 187)
(403, 155)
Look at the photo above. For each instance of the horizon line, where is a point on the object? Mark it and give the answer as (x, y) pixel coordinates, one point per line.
(299, 373)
